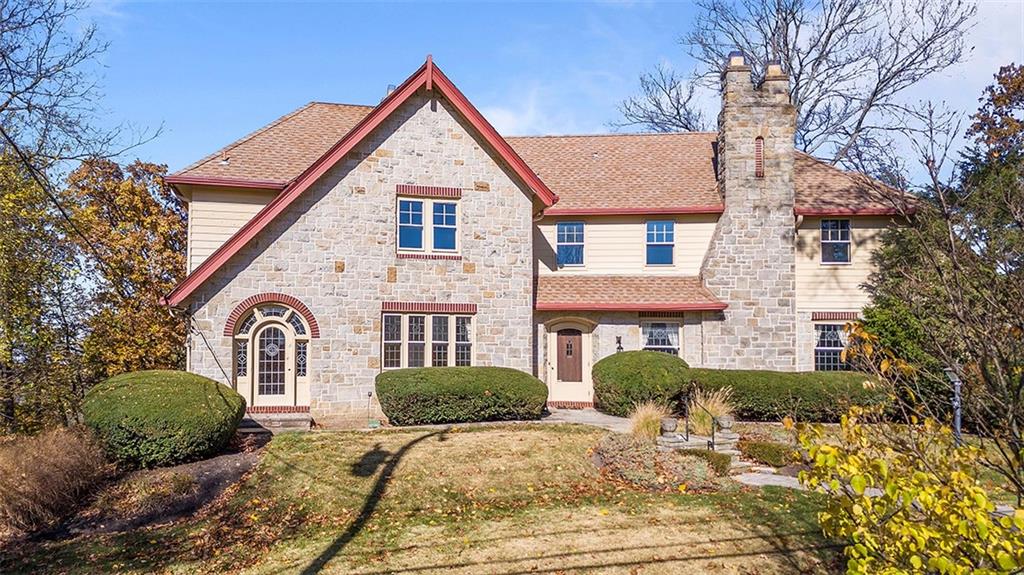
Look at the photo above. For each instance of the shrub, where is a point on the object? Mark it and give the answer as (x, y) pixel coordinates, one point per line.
(628, 378)
(42, 477)
(157, 418)
(705, 405)
(719, 462)
(768, 452)
(807, 396)
(639, 463)
(646, 419)
(908, 499)
(459, 394)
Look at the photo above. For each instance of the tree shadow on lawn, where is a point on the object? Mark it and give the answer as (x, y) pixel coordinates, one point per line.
(366, 467)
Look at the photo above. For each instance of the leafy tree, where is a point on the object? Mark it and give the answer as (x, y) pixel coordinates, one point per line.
(998, 125)
(848, 61)
(133, 235)
(39, 378)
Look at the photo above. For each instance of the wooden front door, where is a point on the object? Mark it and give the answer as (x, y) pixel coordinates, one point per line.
(570, 355)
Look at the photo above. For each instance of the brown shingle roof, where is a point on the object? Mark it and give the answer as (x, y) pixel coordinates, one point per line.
(613, 292)
(624, 171)
(599, 172)
(284, 148)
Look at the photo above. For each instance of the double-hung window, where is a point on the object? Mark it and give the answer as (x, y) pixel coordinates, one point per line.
(830, 340)
(661, 241)
(410, 224)
(660, 336)
(835, 241)
(428, 225)
(421, 340)
(569, 243)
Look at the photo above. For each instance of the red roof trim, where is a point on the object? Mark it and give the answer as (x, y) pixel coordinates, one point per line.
(252, 301)
(850, 212)
(346, 144)
(577, 306)
(718, 209)
(226, 182)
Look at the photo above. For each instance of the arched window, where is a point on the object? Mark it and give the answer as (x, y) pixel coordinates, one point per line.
(271, 354)
(759, 157)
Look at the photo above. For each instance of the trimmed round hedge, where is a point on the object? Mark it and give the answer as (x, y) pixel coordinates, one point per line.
(807, 396)
(425, 395)
(157, 418)
(627, 378)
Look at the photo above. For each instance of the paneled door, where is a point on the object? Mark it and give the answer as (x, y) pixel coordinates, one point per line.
(275, 377)
(570, 355)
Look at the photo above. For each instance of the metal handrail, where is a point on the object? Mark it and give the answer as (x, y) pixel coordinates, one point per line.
(714, 423)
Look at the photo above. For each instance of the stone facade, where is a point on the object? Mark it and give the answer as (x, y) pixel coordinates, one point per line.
(334, 249)
(751, 262)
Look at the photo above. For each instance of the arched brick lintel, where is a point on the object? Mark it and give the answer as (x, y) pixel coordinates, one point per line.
(284, 299)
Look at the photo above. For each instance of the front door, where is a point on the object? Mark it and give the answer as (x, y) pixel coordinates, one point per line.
(274, 376)
(570, 355)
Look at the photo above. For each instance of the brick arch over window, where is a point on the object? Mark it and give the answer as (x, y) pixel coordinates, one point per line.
(251, 301)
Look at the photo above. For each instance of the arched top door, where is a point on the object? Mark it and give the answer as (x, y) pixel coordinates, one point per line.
(271, 343)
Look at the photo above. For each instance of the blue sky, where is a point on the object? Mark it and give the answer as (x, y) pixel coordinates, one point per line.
(209, 73)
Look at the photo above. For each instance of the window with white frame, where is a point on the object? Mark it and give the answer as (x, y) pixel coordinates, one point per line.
(660, 336)
(830, 340)
(661, 242)
(835, 241)
(426, 340)
(428, 225)
(569, 243)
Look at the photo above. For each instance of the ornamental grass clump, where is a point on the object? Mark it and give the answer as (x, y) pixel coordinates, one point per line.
(705, 405)
(645, 419)
(43, 477)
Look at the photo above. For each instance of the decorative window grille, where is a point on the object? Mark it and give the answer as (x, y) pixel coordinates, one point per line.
(392, 341)
(417, 340)
(271, 361)
(828, 349)
(296, 322)
(300, 358)
(242, 358)
(660, 336)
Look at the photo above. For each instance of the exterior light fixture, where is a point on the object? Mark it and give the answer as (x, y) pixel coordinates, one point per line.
(618, 343)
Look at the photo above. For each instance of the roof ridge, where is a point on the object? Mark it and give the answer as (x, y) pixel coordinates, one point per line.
(612, 134)
(245, 138)
(342, 104)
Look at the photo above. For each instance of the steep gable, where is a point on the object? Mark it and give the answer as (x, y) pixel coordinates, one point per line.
(428, 78)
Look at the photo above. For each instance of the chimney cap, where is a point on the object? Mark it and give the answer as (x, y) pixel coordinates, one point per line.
(774, 69)
(737, 59)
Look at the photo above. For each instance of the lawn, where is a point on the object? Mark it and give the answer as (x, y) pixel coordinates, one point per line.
(495, 499)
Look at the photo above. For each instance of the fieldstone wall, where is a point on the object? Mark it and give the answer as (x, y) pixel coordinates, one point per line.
(334, 249)
(751, 263)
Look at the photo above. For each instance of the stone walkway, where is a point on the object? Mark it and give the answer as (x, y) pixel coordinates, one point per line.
(588, 417)
(760, 479)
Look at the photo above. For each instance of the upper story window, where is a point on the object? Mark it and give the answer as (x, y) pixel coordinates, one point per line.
(570, 243)
(660, 336)
(835, 241)
(438, 232)
(661, 241)
(830, 340)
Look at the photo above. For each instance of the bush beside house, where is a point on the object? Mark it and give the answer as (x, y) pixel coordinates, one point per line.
(158, 418)
(626, 379)
(426, 395)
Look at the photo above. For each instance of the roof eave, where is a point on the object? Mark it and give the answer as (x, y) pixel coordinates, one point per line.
(677, 210)
(225, 182)
(604, 306)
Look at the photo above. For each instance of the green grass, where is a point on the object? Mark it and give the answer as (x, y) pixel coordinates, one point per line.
(494, 499)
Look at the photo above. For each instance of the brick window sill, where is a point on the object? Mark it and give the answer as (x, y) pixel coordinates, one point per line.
(418, 256)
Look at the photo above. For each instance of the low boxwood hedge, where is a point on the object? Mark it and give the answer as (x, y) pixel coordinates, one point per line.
(625, 379)
(157, 418)
(806, 396)
(424, 395)
(719, 462)
(768, 452)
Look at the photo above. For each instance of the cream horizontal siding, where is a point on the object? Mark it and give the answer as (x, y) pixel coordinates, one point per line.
(617, 244)
(216, 214)
(835, 287)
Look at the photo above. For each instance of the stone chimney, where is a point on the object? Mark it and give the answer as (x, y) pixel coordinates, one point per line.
(751, 262)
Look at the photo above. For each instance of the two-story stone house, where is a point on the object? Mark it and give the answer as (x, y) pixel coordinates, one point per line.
(340, 241)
